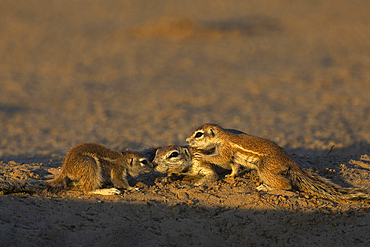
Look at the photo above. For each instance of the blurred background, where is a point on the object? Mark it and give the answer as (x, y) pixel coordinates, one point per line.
(131, 74)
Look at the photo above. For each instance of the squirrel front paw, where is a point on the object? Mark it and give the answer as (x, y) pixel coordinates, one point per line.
(132, 188)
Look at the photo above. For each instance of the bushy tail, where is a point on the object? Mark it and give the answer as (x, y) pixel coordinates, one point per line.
(322, 187)
(47, 187)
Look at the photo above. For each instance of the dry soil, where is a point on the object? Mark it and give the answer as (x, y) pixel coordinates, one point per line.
(132, 74)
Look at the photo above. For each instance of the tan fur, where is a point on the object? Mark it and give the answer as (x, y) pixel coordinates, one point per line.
(231, 148)
(89, 165)
(177, 160)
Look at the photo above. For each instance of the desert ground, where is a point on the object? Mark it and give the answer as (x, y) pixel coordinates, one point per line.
(137, 74)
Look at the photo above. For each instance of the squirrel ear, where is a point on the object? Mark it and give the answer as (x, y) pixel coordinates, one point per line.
(131, 161)
(212, 132)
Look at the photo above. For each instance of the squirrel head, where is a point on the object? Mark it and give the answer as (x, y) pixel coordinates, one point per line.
(205, 136)
(137, 163)
(172, 159)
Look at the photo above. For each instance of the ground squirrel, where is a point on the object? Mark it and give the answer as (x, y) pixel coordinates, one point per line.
(88, 166)
(232, 148)
(177, 160)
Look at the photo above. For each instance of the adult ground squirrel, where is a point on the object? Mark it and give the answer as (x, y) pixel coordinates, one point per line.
(89, 166)
(177, 160)
(232, 148)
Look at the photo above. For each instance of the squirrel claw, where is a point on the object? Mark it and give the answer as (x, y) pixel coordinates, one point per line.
(263, 187)
(230, 176)
(186, 186)
(133, 189)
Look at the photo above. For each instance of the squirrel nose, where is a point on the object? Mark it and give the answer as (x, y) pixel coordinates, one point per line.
(190, 141)
(154, 164)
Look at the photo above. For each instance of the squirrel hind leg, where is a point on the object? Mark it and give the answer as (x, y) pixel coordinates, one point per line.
(90, 176)
(274, 181)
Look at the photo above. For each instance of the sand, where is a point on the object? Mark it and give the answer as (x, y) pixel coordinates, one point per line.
(133, 74)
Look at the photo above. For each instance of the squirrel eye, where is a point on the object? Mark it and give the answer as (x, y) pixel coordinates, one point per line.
(198, 134)
(144, 162)
(174, 154)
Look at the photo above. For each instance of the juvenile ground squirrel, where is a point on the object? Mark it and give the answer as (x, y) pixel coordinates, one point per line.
(232, 148)
(177, 160)
(88, 166)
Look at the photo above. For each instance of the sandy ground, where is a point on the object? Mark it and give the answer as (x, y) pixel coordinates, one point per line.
(132, 74)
